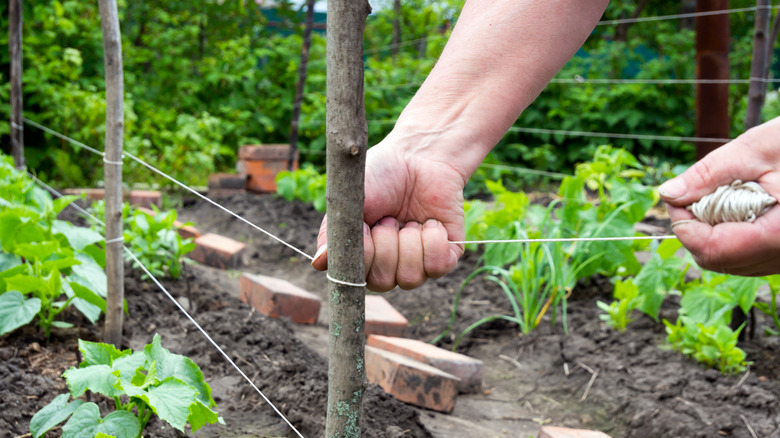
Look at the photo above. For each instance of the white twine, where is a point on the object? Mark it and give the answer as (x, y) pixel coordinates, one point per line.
(115, 163)
(115, 240)
(346, 283)
(737, 202)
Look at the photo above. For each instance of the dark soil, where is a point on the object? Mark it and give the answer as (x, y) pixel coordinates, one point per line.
(624, 384)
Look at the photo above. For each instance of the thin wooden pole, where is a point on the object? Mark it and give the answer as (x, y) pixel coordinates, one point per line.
(758, 64)
(347, 137)
(712, 62)
(112, 48)
(15, 50)
(302, 72)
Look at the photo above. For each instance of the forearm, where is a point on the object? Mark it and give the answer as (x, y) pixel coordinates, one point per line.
(499, 57)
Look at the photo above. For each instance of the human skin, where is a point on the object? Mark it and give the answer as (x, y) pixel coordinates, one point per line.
(499, 57)
(740, 248)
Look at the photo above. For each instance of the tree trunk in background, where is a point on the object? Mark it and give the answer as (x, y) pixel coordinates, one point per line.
(347, 137)
(621, 33)
(771, 42)
(302, 72)
(712, 62)
(396, 27)
(112, 48)
(758, 65)
(15, 51)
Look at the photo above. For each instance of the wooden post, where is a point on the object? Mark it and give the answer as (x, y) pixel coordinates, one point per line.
(302, 71)
(761, 50)
(112, 48)
(347, 137)
(15, 50)
(396, 27)
(771, 43)
(712, 62)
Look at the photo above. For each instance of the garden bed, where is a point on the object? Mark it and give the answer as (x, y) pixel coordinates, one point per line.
(596, 378)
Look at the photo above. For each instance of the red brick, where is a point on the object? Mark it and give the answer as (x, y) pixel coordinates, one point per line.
(227, 181)
(565, 432)
(145, 198)
(467, 369)
(91, 194)
(224, 193)
(261, 174)
(383, 319)
(185, 231)
(264, 152)
(218, 251)
(411, 381)
(277, 298)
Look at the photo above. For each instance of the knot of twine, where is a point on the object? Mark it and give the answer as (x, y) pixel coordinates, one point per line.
(738, 202)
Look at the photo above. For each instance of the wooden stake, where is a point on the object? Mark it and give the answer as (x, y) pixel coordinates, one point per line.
(758, 69)
(347, 136)
(15, 50)
(302, 72)
(712, 62)
(112, 48)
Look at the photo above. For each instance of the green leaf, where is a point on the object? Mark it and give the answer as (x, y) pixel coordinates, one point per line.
(170, 400)
(9, 261)
(178, 366)
(702, 302)
(16, 310)
(78, 237)
(25, 283)
(89, 274)
(57, 411)
(101, 379)
(86, 423)
(89, 296)
(668, 248)
(98, 353)
(201, 415)
(129, 365)
(37, 250)
(743, 290)
(655, 280)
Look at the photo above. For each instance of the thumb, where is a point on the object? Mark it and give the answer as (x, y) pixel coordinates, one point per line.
(720, 167)
(320, 261)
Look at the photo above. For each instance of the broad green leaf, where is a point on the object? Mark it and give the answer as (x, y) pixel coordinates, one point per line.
(201, 415)
(701, 303)
(743, 290)
(89, 274)
(101, 379)
(90, 311)
(59, 262)
(61, 324)
(170, 400)
(57, 411)
(37, 250)
(78, 237)
(178, 366)
(668, 248)
(86, 423)
(128, 365)
(98, 353)
(89, 296)
(655, 280)
(25, 283)
(16, 310)
(8, 261)
(142, 380)
(62, 202)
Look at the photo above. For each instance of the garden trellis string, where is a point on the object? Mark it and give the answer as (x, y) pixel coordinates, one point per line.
(170, 297)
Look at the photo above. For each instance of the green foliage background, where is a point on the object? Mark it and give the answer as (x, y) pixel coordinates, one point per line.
(204, 77)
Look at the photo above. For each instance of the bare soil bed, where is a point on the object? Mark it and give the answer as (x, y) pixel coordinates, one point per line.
(624, 384)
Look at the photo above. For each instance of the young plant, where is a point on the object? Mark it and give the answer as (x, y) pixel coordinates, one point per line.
(46, 265)
(770, 309)
(143, 383)
(712, 343)
(304, 184)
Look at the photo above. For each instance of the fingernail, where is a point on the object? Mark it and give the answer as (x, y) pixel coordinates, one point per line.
(388, 221)
(320, 251)
(673, 189)
(366, 229)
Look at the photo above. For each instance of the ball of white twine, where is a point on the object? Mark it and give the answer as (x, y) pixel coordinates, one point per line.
(738, 202)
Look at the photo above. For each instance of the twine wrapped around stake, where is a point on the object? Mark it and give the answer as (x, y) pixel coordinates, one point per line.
(738, 202)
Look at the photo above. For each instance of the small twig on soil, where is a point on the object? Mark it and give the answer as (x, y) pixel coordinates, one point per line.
(587, 368)
(590, 384)
(245, 361)
(566, 369)
(555, 402)
(510, 360)
(24, 436)
(742, 380)
(249, 316)
(749, 428)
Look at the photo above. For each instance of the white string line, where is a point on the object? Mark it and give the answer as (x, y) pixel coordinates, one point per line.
(619, 135)
(524, 170)
(177, 182)
(567, 239)
(680, 16)
(634, 81)
(405, 43)
(168, 294)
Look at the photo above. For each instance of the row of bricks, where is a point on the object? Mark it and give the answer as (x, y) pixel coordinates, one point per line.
(139, 198)
(412, 371)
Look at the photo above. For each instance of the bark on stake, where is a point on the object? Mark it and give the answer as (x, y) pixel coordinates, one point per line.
(15, 51)
(302, 73)
(112, 48)
(347, 135)
(758, 68)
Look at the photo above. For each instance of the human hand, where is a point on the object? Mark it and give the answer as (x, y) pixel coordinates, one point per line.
(413, 208)
(741, 248)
